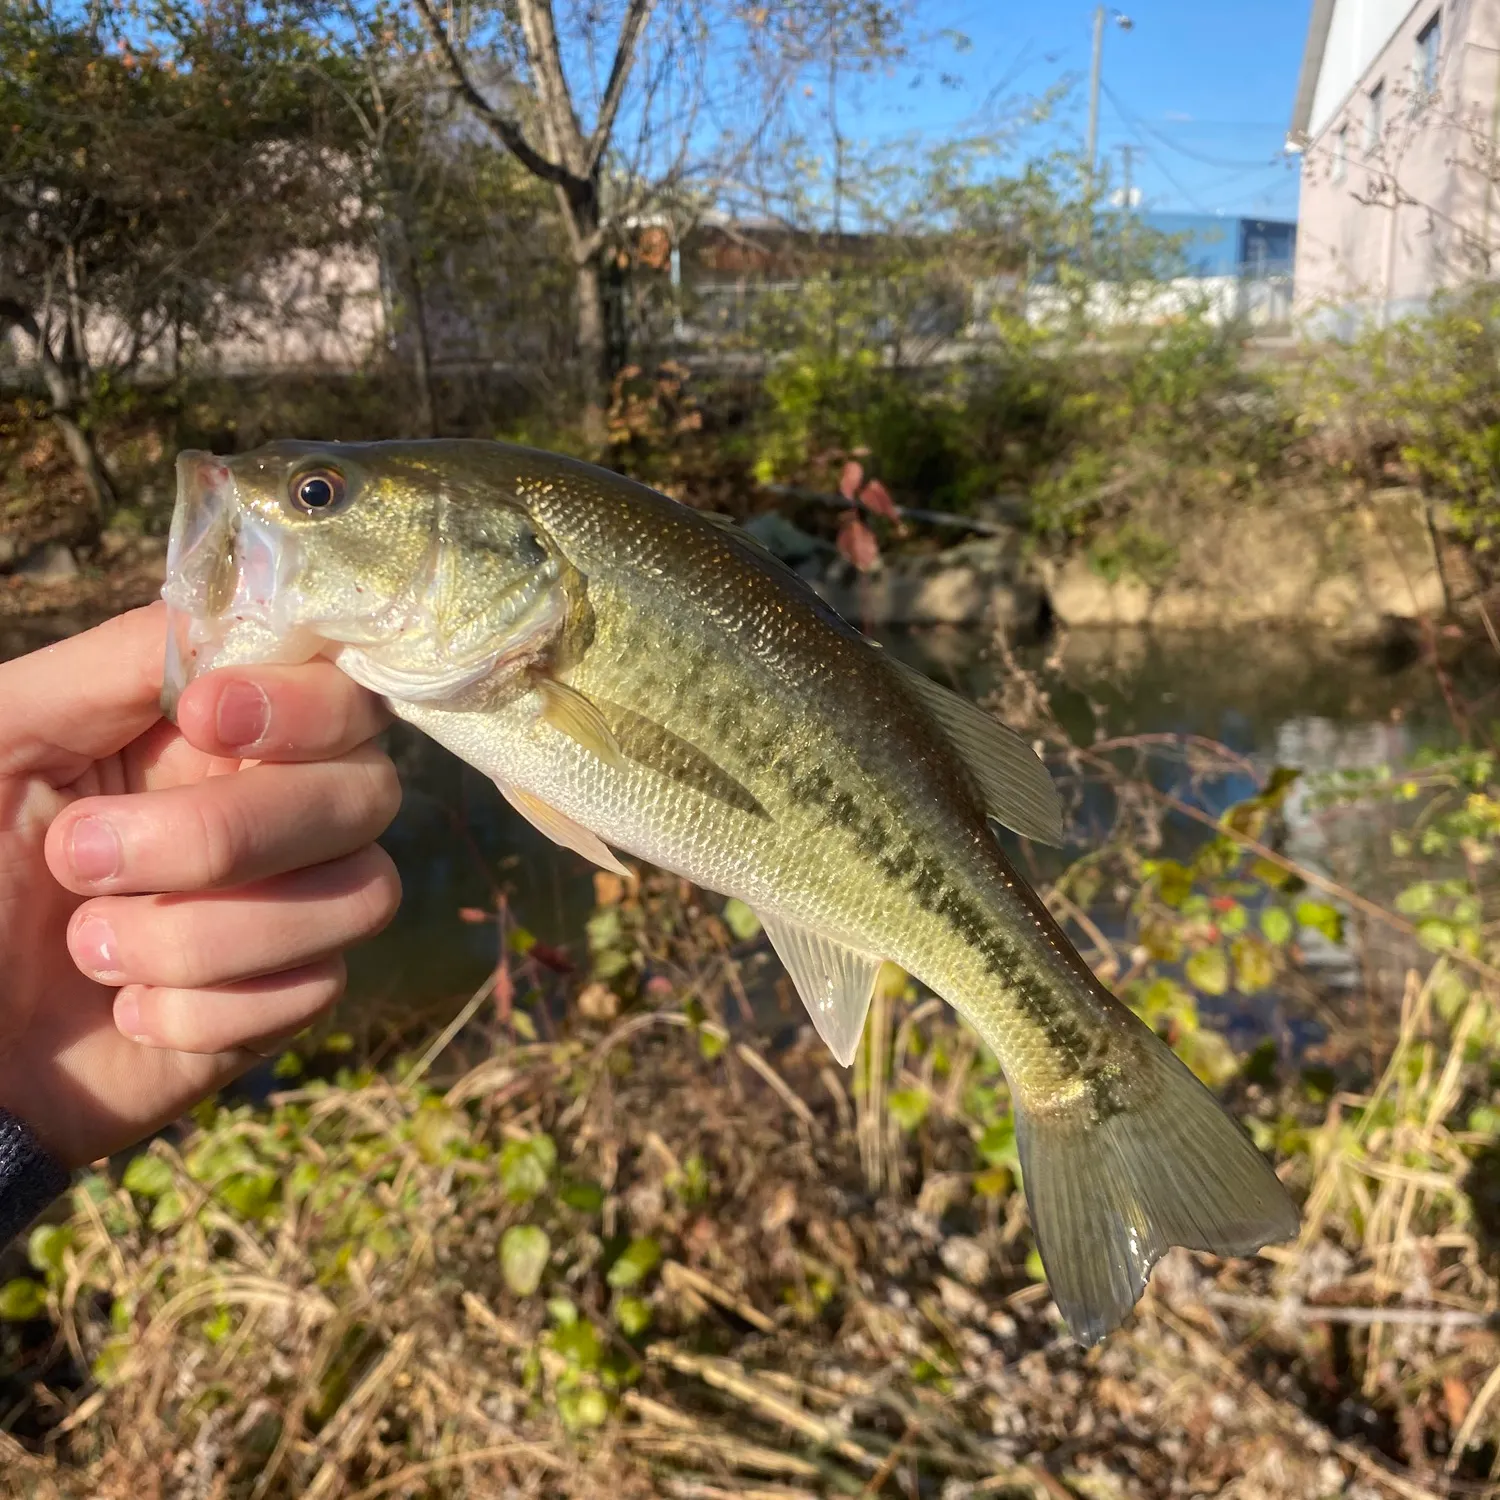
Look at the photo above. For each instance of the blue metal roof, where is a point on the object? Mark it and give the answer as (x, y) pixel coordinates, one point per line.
(1215, 245)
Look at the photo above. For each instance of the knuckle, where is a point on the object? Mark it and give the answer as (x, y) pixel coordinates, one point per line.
(379, 894)
(182, 955)
(223, 837)
(377, 790)
(177, 1022)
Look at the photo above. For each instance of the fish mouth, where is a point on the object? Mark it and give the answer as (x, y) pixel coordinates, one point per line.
(228, 582)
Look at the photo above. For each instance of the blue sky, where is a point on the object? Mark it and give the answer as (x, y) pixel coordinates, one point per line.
(1202, 88)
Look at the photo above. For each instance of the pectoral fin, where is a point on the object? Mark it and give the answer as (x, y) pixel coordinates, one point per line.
(561, 829)
(571, 713)
(1017, 788)
(834, 981)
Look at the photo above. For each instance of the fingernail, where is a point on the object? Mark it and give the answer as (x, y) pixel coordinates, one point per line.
(95, 948)
(128, 1016)
(94, 849)
(244, 715)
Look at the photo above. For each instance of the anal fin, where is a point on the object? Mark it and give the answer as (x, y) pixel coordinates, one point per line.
(834, 981)
(561, 829)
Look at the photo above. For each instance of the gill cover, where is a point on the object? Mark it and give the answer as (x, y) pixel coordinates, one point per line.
(359, 552)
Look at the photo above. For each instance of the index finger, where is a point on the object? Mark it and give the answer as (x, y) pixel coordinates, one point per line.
(68, 705)
(311, 711)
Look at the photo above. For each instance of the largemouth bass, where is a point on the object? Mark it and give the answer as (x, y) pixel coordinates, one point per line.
(637, 676)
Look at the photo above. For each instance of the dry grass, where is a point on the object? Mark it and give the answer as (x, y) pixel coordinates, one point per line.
(809, 1335)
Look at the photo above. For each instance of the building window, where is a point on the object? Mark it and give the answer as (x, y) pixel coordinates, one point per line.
(1341, 154)
(1429, 45)
(1375, 119)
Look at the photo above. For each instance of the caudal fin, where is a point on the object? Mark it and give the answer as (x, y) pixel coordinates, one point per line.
(1119, 1174)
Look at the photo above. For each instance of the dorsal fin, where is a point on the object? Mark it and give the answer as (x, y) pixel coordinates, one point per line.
(834, 981)
(1017, 788)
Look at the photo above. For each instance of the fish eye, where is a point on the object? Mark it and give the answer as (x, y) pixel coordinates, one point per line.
(317, 491)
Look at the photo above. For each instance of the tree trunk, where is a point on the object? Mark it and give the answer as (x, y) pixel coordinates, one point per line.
(64, 390)
(421, 353)
(90, 463)
(593, 351)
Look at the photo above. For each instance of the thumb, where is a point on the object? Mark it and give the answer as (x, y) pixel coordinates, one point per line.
(68, 705)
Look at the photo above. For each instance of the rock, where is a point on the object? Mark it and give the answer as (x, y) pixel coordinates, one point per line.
(783, 538)
(980, 582)
(54, 563)
(1346, 569)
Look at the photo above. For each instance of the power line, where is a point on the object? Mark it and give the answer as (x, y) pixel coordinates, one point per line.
(1137, 122)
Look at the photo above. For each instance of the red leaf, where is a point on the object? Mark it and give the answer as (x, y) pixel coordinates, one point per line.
(876, 497)
(551, 958)
(857, 542)
(850, 478)
(473, 914)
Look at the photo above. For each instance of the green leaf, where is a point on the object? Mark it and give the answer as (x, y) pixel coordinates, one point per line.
(633, 1316)
(21, 1299)
(1034, 1267)
(1253, 969)
(578, 1343)
(1435, 933)
(1208, 971)
(217, 1328)
(149, 1176)
(1417, 898)
(581, 1410)
(1174, 882)
(526, 1167)
(908, 1107)
(524, 1250)
(636, 1262)
(998, 1144)
(167, 1211)
(711, 1043)
(578, 1192)
(1277, 925)
(1321, 917)
(740, 920)
(1232, 920)
(250, 1194)
(47, 1245)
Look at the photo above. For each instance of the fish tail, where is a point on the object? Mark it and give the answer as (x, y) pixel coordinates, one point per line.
(1129, 1165)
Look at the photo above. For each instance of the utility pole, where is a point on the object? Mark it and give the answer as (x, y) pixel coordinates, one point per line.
(1102, 13)
(1092, 148)
(1128, 151)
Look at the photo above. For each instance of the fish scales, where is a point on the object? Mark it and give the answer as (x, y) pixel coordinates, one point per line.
(773, 672)
(637, 675)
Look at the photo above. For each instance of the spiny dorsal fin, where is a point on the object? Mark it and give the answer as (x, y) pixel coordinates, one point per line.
(834, 981)
(561, 829)
(569, 712)
(1017, 788)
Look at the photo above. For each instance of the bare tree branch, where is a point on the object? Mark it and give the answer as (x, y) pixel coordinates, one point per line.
(619, 74)
(506, 128)
(559, 119)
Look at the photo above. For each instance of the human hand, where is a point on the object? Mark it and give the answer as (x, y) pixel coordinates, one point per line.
(173, 899)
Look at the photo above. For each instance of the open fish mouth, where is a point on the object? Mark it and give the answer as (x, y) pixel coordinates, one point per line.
(230, 582)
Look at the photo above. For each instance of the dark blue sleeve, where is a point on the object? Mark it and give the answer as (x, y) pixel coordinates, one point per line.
(29, 1178)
